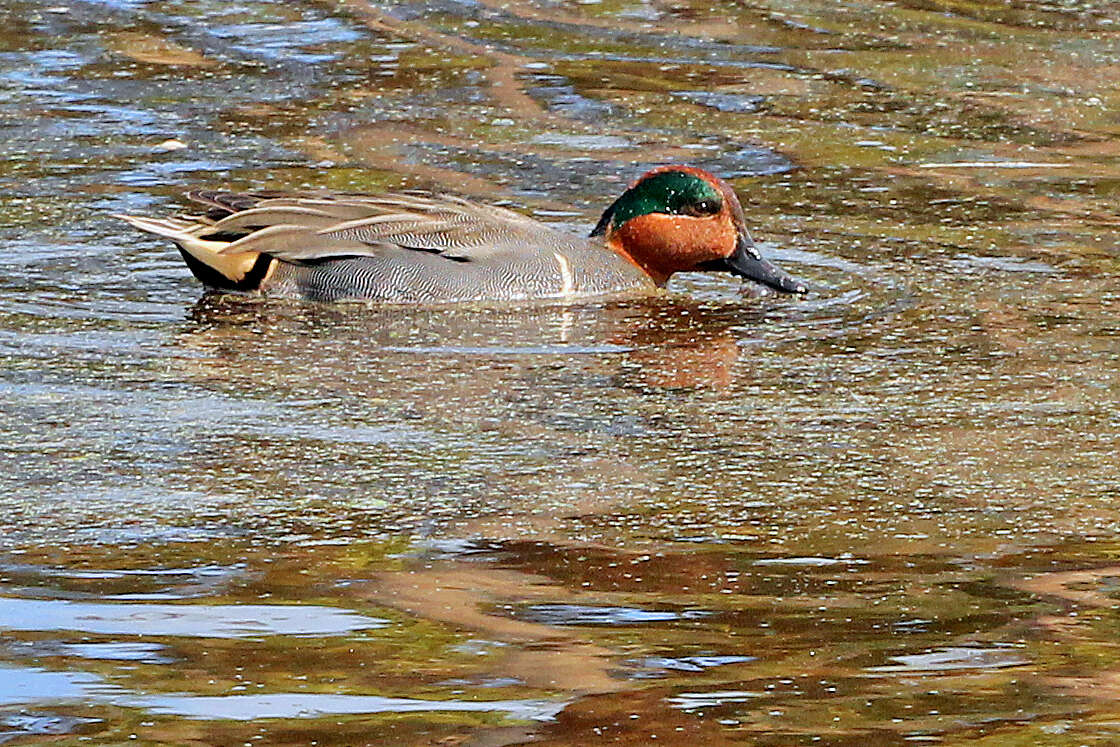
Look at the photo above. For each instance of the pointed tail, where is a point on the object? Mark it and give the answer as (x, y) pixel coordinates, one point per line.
(243, 271)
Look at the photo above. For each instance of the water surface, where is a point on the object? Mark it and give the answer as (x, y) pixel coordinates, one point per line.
(882, 514)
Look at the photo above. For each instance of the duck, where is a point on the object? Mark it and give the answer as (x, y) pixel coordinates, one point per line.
(422, 248)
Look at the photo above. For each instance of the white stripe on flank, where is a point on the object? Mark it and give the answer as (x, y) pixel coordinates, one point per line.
(565, 274)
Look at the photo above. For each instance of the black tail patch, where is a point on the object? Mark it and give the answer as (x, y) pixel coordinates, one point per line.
(214, 279)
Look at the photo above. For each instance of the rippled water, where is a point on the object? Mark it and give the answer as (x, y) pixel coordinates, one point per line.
(883, 514)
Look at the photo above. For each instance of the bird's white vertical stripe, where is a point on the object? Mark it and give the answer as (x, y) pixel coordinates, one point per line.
(565, 274)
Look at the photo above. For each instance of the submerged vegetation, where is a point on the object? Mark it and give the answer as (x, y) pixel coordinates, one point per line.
(883, 513)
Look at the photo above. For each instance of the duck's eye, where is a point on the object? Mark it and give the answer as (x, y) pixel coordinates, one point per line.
(706, 206)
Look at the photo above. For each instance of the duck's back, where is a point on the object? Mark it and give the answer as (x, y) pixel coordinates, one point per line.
(404, 249)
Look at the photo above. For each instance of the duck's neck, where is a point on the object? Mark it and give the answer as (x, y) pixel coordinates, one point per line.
(659, 276)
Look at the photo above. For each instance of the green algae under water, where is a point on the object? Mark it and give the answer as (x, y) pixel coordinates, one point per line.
(887, 513)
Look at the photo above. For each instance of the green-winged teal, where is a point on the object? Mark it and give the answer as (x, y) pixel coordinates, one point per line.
(408, 249)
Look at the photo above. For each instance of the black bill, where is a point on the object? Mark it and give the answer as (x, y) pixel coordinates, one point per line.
(747, 262)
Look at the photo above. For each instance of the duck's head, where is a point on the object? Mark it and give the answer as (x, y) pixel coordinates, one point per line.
(680, 219)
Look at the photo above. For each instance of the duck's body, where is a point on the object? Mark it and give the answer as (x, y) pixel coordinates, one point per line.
(409, 249)
(407, 280)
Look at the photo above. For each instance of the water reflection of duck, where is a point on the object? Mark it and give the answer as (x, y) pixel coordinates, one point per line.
(405, 248)
(670, 341)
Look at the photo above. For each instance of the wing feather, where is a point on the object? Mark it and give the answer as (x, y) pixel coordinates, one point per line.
(309, 227)
(296, 244)
(270, 215)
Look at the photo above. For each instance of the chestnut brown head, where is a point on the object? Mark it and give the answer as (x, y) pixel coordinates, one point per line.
(681, 219)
